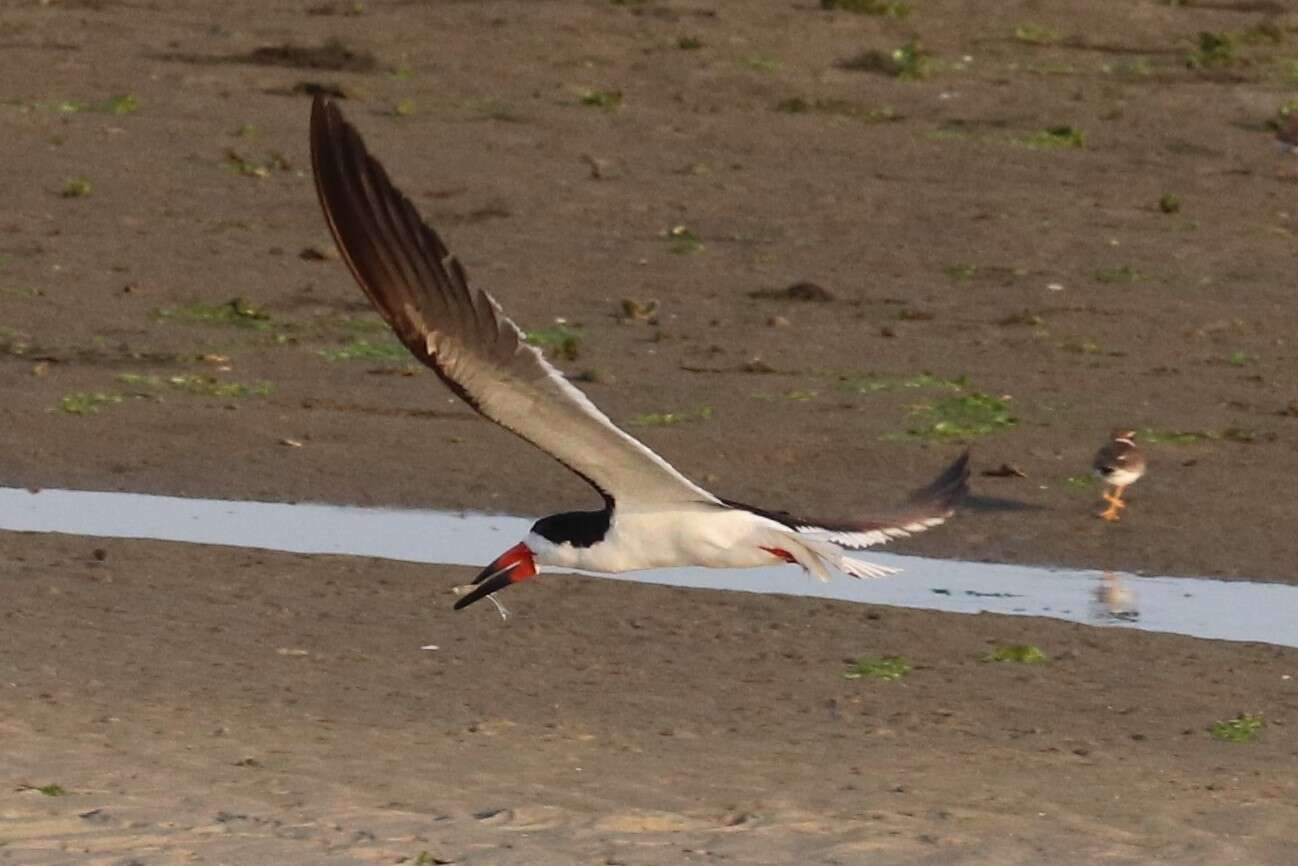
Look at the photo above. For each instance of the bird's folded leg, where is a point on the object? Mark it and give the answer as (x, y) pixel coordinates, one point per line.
(1115, 504)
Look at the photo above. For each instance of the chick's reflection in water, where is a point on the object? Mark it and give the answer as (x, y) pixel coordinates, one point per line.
(1115, 601)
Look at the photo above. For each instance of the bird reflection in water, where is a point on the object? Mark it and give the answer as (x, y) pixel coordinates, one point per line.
(1114, 600)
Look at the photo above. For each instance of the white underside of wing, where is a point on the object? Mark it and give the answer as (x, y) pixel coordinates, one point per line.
(424, 294)
(555, 415)
(869, 538)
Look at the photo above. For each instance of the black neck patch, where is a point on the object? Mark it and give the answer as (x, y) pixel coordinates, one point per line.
(578, 528)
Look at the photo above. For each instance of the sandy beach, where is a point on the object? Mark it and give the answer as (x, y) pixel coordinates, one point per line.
(212, 705)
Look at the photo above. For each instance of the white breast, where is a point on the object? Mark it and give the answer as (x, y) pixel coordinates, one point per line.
(665, 538)
(1121, 477)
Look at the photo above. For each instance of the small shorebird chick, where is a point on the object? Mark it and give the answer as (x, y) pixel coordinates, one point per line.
(1120, 464)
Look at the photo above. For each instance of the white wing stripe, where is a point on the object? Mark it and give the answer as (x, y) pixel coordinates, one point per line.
(869, 538)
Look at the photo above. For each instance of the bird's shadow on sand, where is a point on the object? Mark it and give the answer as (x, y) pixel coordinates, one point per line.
(998, 503)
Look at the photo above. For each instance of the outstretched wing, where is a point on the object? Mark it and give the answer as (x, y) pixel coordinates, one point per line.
(926, 508)
(422, 292)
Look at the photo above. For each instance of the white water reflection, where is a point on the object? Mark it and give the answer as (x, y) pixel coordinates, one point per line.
(1236, 610)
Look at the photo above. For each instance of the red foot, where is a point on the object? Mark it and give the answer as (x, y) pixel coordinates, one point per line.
(780, 553)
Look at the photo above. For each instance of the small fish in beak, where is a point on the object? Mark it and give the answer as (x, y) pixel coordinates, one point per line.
(513, 566)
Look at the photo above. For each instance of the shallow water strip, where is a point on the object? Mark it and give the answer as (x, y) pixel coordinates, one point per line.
(1235, 610)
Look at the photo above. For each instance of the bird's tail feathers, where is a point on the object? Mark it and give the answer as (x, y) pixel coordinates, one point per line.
(818, 556)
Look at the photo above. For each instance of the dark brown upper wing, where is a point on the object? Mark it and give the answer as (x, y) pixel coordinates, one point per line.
(423, 294)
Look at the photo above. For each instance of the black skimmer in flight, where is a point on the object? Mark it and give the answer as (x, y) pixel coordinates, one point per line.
(653, 517)
(1119, 464)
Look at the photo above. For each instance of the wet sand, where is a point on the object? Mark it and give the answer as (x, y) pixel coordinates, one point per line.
(249, 707)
